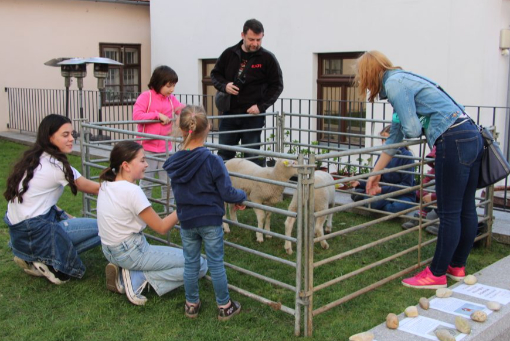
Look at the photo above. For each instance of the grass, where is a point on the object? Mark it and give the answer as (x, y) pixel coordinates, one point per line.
(34, 309)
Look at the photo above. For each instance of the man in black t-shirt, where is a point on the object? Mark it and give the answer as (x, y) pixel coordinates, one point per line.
(252, 90)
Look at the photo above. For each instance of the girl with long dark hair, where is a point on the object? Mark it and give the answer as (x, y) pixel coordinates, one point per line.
(44, 239)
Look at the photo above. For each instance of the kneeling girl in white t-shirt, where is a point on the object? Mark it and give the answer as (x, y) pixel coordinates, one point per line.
(123, 212)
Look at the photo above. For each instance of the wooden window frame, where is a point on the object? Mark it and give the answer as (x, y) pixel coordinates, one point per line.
(342, 81)
(138, 66)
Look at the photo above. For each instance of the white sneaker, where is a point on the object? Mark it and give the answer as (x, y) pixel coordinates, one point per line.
(51, 274)
(29, 268)
(113, 281)
(134, 295)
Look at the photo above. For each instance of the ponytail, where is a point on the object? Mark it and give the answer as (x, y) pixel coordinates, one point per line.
(193, 123)
(124, 151)
(107, 175)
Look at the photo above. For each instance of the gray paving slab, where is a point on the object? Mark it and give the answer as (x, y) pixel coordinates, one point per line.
(497, 326)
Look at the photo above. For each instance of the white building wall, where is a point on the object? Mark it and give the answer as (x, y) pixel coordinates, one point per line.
(455, 42)
(35, 31)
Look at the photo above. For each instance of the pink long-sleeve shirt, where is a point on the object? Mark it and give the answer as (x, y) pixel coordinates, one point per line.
(148, 106)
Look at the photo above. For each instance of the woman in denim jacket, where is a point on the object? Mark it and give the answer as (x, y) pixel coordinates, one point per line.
(420, 105)
(44, 240)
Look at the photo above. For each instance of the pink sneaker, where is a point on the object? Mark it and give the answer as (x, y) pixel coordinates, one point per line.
(425, 280)
(457, 274)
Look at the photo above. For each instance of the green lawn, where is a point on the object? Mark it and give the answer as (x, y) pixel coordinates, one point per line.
(34, 309)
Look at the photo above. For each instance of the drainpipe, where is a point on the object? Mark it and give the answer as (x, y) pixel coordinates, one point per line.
(504, 45)
(506, 149)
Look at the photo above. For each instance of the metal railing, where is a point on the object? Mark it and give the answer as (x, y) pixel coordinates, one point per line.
(318, 126)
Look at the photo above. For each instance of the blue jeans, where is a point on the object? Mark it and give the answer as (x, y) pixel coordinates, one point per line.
(233, 138)
(192, 243)
(392, 206)
(55, 240)
(82, 232)
(163, 266)
(458, 158)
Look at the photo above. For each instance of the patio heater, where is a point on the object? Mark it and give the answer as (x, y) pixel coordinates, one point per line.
(65, 71)
(101, 66)
(77, 68)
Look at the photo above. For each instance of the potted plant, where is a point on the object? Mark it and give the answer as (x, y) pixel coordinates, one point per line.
(293, 149)
(364, 167)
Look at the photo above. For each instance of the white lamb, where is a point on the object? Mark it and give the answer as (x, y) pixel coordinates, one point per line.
(324, 198)
(260, 192)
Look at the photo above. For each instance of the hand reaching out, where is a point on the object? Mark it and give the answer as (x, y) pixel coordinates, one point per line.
(373, 187)
(239, 207)
(164, 119)
(353, 184)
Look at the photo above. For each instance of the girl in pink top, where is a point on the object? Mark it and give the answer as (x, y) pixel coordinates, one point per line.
(157, 104)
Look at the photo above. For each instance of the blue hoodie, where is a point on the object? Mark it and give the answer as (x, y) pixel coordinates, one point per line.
(201, 185)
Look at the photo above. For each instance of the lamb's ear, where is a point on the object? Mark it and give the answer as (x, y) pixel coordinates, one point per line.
(286, 163)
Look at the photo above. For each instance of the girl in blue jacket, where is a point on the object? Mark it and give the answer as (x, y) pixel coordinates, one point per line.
(421, 105)
(201, 186)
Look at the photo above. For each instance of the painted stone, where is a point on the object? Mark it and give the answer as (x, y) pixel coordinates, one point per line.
(392, 321)
(411, 311)
(424, 303)
(443, 293)
(479, 316)
(444, 335)
(462, 325)
(494, 306)
(470, 280)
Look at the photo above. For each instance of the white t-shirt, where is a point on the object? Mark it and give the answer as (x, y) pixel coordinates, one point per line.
(118, 205)
(44, 190)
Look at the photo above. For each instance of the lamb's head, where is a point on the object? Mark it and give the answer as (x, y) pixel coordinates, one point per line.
(285, 169)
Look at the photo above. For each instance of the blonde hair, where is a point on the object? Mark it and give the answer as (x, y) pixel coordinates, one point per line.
(370, 68)
(193, 123)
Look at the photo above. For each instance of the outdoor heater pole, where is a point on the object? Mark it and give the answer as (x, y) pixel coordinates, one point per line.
(67, 101)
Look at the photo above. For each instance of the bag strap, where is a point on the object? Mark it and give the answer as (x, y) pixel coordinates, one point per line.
(441, 89)
(148, 107)
(249, 62)
(150, 101)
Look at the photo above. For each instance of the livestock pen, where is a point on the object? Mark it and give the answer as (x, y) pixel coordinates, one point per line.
(366, 251)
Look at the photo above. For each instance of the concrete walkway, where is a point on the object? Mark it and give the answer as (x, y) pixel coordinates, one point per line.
(497, 326)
